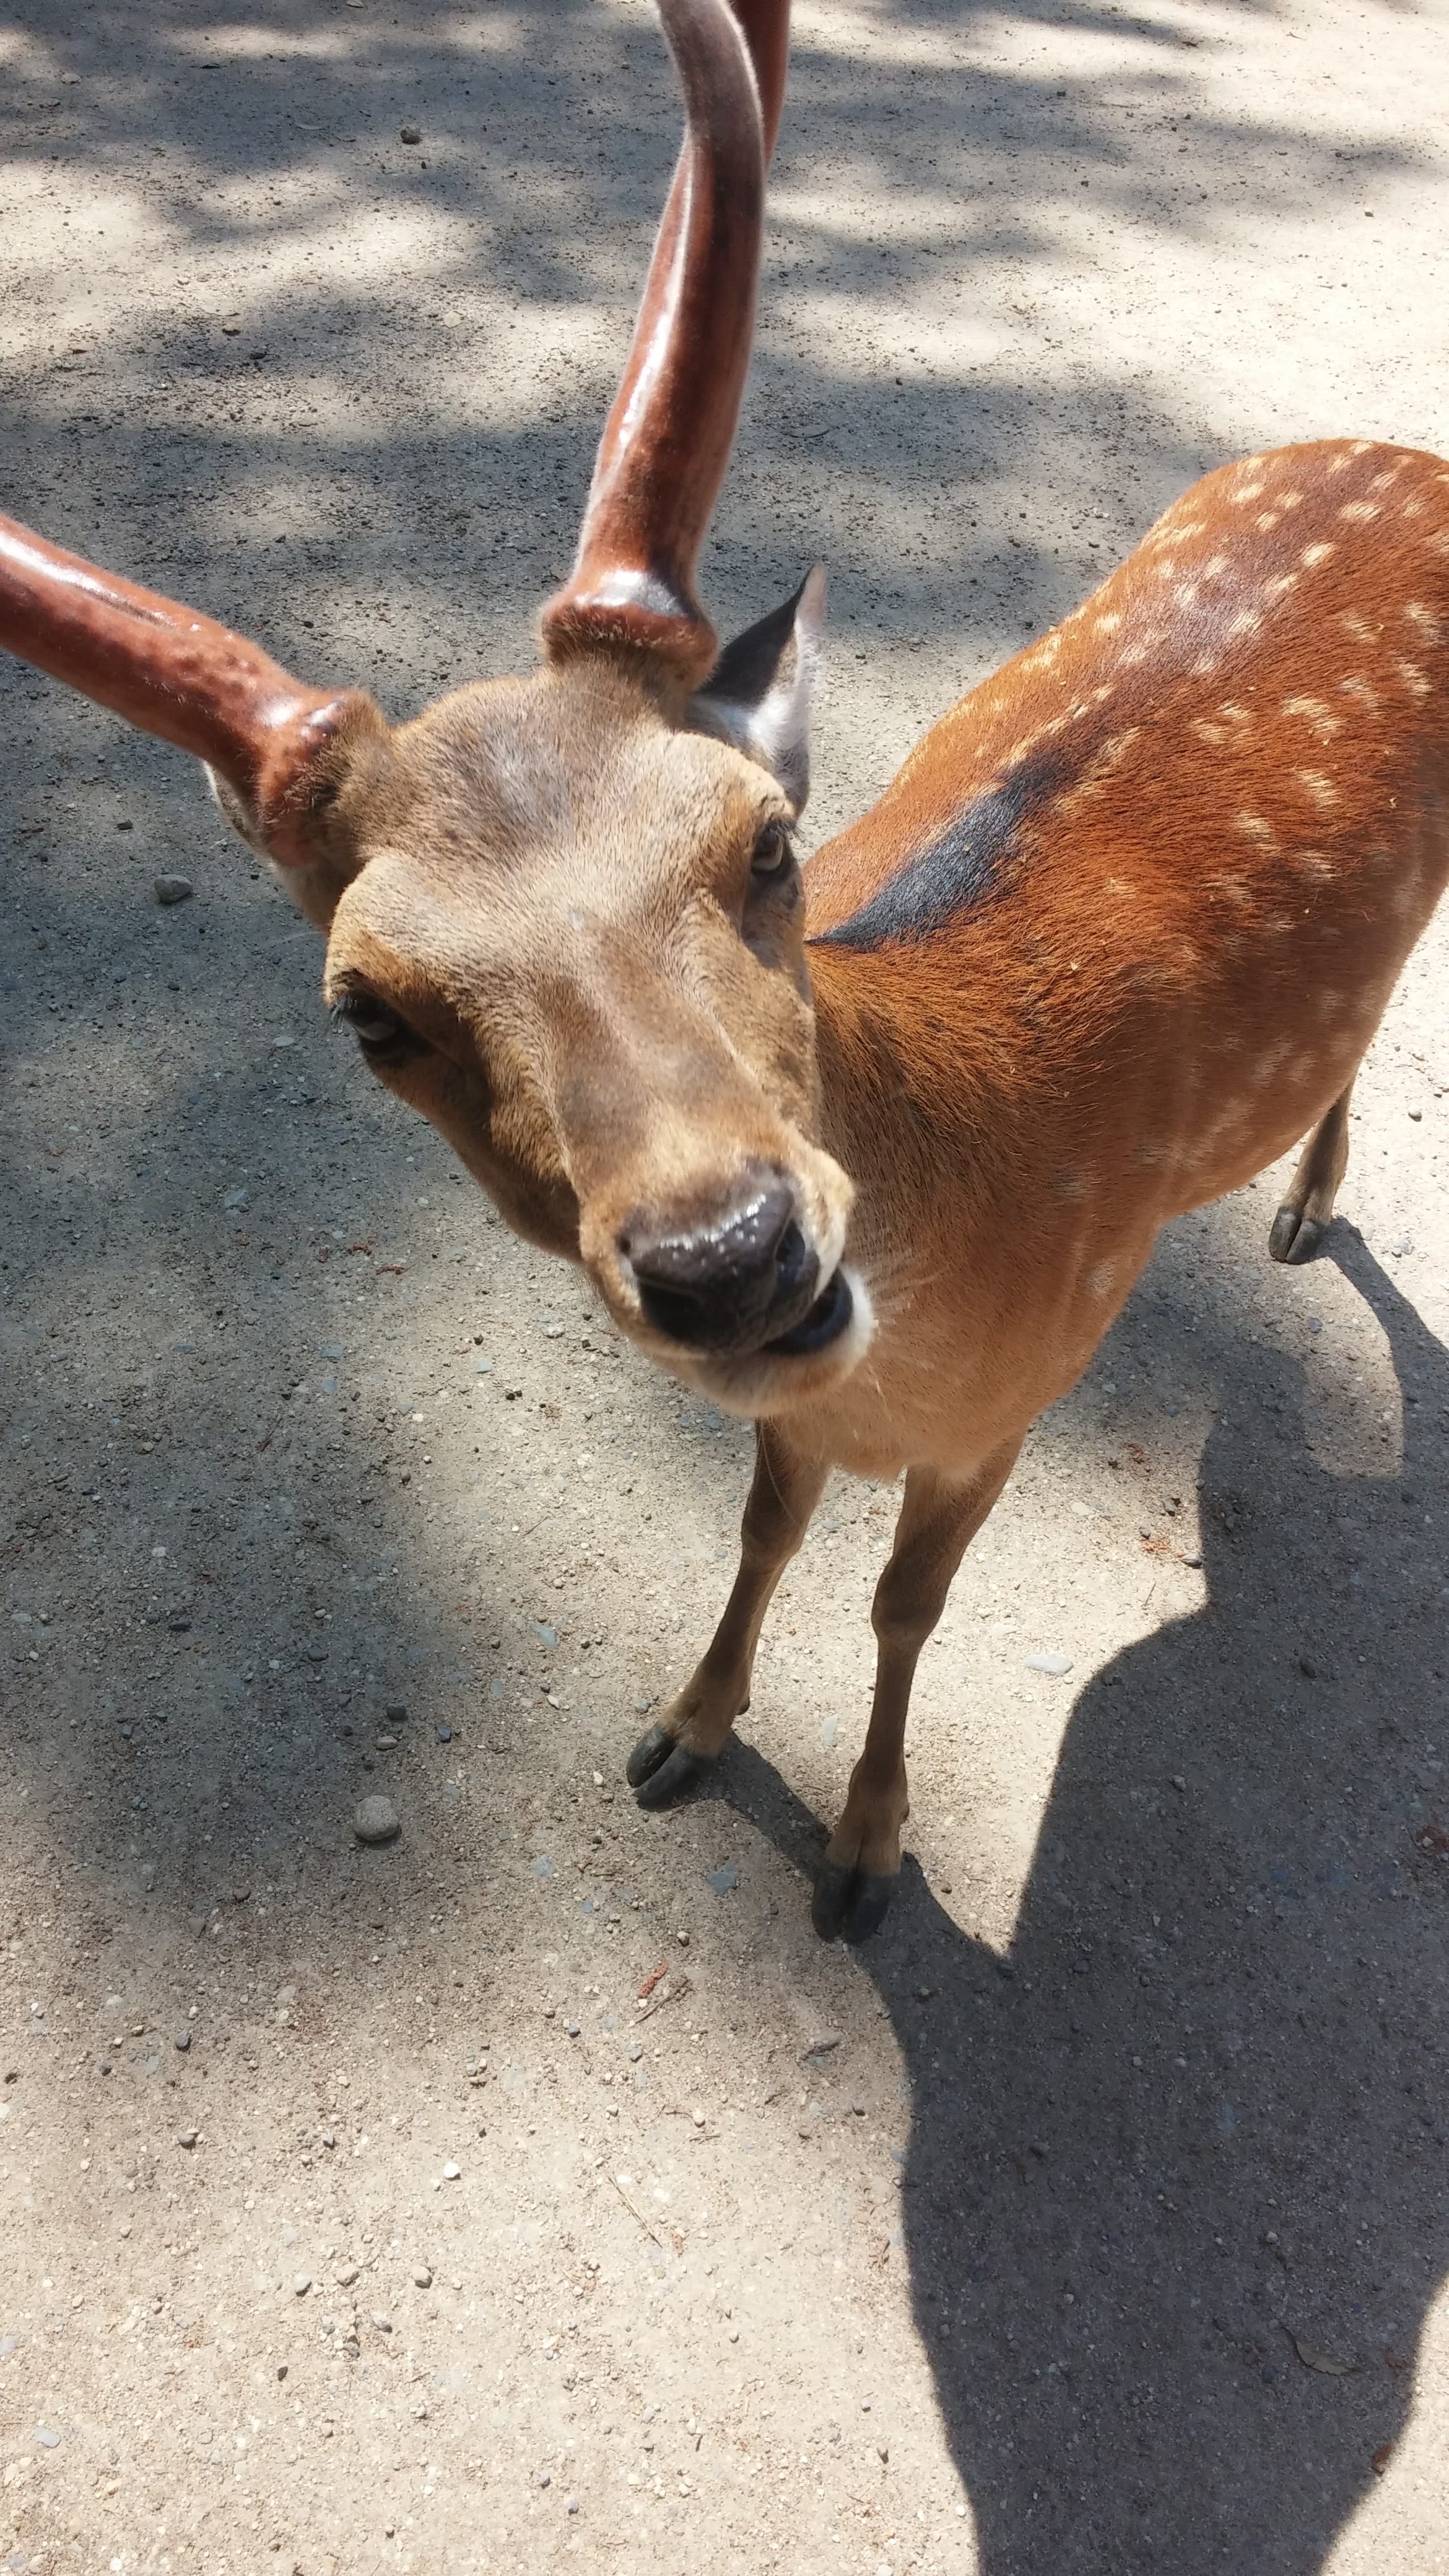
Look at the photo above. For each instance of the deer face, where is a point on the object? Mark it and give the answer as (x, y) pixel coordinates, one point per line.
(562, 913)
(571, 936)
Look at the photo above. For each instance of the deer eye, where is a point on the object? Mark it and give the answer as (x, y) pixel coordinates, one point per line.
(773, 853)
(375, 1024)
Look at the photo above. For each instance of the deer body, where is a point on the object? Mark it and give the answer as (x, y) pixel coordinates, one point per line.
(872, 1154)
(1121, 929)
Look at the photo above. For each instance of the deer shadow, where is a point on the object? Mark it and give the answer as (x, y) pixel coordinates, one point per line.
(1192, 2127)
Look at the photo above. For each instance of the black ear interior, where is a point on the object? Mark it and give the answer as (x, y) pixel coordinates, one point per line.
(752, 663)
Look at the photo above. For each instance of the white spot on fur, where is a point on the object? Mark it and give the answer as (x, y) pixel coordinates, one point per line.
(1208, 732)
(1358, 687)
(1414, 680)
(1425, 620)
(1321, 789)
(1312, 863)
(1314, 712)
(1359, 627)
(1101, 1278)
(1108, 624)
(1360, 510)
(1253, 828)
(1317, 554)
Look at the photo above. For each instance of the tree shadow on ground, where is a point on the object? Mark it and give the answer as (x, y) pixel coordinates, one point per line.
(1173, 2197)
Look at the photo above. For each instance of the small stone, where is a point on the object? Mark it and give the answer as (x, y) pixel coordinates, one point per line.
(281, 2370)
(571, 2504)
(572, 2028)
(186, 2137)
(544, 2479)
(724, 1879)
(387, 1743)
(1416, 1115)
(452, 2173)
(345, 2278)
(182, 2038)
(422, 2277)
(444, 1734)
(375, 1820)
(301, 2283)
(1054, 1664)
(174, 889)
(409, 134)
(48, 2441)
(396, 1714)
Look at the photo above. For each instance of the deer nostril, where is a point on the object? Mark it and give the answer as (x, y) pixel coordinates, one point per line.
(722, 1286)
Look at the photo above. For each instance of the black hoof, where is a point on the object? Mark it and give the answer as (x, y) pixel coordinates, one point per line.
(1294, 1238)
(850, 1904)
(661, 1770)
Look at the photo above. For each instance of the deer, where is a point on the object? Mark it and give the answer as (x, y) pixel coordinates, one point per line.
(869, 1151)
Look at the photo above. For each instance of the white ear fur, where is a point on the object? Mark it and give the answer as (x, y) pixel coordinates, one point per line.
(758, 694)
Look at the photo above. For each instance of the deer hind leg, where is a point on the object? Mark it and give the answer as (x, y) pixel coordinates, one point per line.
(670, 1757)
(862, 1860)
(1307, 1212)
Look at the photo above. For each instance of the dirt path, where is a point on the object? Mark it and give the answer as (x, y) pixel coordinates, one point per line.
(355, 2214)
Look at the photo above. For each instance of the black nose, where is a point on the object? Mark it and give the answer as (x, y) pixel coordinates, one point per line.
(728, 1284)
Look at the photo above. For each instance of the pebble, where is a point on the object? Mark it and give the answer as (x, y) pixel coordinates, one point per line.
(452, 2173)
(183, 2038)
(174, 889)
(345, 2278)
(382, 2323)
(396, 1715)
(186, 2137)
(422, 2277)
(409, 134)
(724, 1879)
(444, 1734)
(375, 1820)
(48, 2441)
(301, 2283)
(1055, 1664)
(571, 2504)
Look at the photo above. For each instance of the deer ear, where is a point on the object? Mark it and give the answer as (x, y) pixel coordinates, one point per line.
(758, 694)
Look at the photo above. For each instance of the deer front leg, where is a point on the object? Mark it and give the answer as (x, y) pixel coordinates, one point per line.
(862, 1860)
(669, 1757)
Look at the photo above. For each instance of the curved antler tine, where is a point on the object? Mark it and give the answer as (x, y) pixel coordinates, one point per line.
(667, 439)
(174, 673)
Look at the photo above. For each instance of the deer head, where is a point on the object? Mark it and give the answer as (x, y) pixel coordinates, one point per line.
(562, 912)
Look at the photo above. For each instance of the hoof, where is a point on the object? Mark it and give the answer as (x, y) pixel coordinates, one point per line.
(850, 1904)
(1294, 1238)
(661, 1771)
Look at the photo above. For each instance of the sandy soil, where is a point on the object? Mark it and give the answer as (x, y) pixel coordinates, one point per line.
(354, 2214)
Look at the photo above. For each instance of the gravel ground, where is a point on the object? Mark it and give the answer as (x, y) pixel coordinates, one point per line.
(357, 2213)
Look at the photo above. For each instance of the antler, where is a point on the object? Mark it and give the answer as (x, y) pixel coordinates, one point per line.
(667, 440)
(174, 673)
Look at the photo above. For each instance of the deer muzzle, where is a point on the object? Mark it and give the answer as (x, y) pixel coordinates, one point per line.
(743, 1279)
